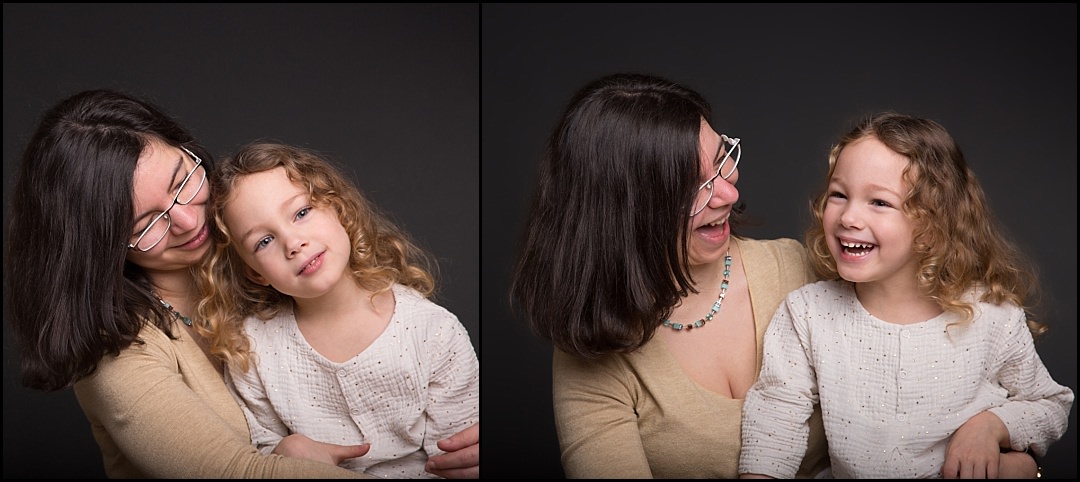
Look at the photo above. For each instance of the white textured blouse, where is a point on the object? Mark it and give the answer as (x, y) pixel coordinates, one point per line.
(891, 395)
(416, 384)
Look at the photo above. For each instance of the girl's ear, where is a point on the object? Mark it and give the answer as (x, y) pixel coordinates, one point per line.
(255, 277)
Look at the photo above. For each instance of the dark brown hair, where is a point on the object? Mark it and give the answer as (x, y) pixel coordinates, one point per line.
(72, 296)
(603, 259)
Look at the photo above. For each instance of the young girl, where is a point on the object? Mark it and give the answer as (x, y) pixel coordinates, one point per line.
(319, 305)
(919, 328)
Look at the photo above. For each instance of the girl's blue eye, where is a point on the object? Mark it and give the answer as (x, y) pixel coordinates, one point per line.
(303, 212)
(263, 242)
(878, 202)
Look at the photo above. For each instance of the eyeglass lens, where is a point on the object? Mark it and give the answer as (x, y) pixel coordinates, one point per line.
(160, 223)
(729, 162)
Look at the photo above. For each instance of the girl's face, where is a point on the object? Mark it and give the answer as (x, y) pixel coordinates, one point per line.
(709, 230)
(868, 235)
(167, 179)
(300, 249)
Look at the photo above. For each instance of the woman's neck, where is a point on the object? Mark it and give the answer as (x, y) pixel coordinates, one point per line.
(708, 275)
(176, 286)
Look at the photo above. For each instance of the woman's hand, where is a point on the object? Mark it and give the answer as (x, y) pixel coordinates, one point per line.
(974, 450)
(1017, 465)
(299, 446)
(462, 457)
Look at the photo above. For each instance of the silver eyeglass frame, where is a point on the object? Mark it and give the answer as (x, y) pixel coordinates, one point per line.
(175, 201)
(735, 146)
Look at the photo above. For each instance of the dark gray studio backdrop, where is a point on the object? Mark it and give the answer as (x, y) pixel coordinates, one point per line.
(787, 79)
(389, 92)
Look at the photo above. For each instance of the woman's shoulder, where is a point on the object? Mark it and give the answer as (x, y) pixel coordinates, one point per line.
(152, 339)
(652, 357)
(141, 359)
(780, 263)
(783, 250)
(610, 371)
(780, 244)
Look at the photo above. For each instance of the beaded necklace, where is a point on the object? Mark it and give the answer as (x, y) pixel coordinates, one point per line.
(182, 318)
(715, 306)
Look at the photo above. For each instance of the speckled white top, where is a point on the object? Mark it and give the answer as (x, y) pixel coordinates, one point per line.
(892, 395)
(416, 384)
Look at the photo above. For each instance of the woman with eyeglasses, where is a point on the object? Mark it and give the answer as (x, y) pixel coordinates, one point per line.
(630, 266)
(107, 222)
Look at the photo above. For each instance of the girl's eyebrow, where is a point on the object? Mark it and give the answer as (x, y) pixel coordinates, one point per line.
(284, 204)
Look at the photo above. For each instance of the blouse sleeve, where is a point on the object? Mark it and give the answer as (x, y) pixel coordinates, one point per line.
(454, 391)
(777, 409)
(266, 427)
(1037, 411)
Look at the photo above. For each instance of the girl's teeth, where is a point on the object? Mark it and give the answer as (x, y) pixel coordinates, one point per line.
(855, 245)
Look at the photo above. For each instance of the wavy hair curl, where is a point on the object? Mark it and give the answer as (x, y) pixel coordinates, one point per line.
(957, 240)
(382, 254)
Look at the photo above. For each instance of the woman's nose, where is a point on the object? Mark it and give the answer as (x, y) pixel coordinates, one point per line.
(185, 217)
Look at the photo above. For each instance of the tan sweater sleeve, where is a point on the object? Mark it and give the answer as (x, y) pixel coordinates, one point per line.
(596, 425)
(152, 409)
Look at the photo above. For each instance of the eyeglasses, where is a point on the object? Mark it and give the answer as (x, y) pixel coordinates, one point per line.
(189, 188)
(731, 147)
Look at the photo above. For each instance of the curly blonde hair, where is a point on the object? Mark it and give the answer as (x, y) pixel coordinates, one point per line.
(958, 243)
(382, 254)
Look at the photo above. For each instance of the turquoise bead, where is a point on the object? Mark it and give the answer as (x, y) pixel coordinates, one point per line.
(712, 312)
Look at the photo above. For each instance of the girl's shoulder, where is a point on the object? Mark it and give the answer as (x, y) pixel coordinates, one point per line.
(424, 318)
(1007, 311)
(411, 302)
(816, 292)
(253, 324)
